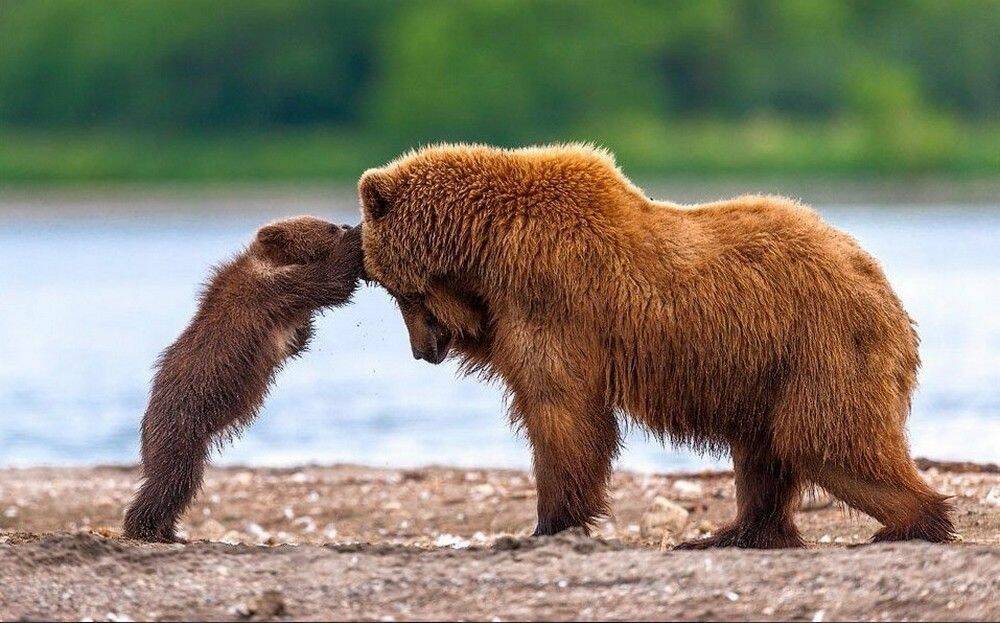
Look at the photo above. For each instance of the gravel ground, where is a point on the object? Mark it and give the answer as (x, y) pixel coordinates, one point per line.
(349, 542)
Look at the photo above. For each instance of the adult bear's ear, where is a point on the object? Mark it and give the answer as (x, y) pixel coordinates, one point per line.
(373, 190)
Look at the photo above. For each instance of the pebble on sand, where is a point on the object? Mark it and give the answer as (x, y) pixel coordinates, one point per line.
(265, 606)
(664, 517)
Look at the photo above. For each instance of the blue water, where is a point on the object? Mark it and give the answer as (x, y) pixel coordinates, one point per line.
(87, 301)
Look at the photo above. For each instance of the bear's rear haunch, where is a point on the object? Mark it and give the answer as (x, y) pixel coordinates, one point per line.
(747, 325)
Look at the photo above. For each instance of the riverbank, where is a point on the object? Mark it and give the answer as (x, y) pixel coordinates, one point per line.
(357, 542)
(706, 149)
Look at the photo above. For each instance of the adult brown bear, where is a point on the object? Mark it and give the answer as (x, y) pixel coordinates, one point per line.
(747, 325)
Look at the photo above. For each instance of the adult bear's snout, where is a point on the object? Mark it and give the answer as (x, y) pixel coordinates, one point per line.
(436, 348)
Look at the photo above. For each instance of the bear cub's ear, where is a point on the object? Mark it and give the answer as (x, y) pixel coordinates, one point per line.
(273, 237)
(279, 245)
(373, 192)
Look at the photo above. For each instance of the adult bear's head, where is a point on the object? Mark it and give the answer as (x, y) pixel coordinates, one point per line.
(423, 242)
(460, 232)
(425, 218)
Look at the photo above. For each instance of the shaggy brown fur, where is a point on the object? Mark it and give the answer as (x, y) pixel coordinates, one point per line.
(747, 325)
(256, 312)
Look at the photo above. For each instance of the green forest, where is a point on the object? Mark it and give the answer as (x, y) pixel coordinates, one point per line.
(304, 89)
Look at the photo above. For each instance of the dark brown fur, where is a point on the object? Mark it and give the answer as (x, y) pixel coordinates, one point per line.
(255, 313)
(747, 325)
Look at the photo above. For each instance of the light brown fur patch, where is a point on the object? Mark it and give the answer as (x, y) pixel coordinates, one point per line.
(747, 325)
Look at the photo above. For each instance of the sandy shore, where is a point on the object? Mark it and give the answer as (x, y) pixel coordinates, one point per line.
(354, 542)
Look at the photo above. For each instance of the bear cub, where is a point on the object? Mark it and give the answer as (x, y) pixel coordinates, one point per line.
(254, 314)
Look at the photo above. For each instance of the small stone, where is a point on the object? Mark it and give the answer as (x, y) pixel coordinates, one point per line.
(258, 533)
(483, 491)
(306, 523)
(687, 488)
(211, 530)
(267, 605)
(505, 543)
(668, 542)
(663, 517)
(452, 541)
(232, 538)
(242, 478)
(993, 497)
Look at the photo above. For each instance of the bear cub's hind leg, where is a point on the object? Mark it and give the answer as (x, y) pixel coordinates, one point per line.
(172, 473)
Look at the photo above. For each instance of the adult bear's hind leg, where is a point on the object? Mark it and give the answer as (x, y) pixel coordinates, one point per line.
(767, 491)
(895, 495)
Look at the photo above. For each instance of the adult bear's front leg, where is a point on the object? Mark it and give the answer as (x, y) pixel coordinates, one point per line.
(560, 400)
(572, 451)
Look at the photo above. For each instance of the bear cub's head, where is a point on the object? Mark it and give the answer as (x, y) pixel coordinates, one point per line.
(303, 240)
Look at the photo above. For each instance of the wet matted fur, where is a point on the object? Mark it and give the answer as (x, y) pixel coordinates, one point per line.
(747, 325)
(255, 313)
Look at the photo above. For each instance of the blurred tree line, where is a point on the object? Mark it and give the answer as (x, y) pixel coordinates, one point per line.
(506, 71)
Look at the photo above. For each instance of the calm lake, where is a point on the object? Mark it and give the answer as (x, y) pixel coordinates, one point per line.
(90, 293)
